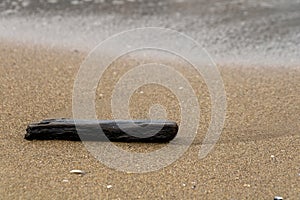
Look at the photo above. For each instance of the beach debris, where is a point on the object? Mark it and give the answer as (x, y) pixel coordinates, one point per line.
(278, 198)
(246, 185)
(109, 186)
(193, 184)
(65, 181)
(273, 158)
(77, 171)
(159, 131)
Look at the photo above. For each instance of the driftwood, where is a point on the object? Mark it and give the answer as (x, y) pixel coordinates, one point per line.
(89, 130)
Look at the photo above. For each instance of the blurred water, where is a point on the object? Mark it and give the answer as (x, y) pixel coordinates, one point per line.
(242, 31)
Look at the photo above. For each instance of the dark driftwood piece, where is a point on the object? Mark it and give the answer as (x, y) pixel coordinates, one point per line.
(67, 129)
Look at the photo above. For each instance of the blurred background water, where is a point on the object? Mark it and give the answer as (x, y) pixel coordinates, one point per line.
(241, 31)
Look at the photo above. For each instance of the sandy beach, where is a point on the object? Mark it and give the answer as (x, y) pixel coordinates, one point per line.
(255, 45)
(257, 156)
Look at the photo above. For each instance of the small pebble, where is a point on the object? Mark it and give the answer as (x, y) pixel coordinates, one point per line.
(246, 185)
(278, 198)
(183, 184)
(65, 180)
(77, 171)
(272, 156)
(109, 186)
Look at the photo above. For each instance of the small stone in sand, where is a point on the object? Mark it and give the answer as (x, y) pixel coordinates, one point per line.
(77, 171)
(109, 186)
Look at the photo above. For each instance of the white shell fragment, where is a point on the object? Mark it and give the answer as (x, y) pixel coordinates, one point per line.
(278, 198)
(109, 186)
(77, 171)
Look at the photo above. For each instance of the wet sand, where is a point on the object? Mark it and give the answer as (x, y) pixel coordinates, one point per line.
(257, 156)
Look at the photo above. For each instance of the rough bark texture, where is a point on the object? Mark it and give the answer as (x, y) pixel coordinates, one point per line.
(89, 130)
